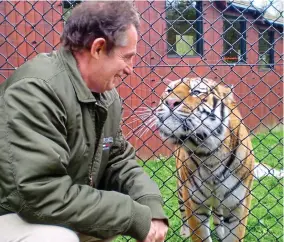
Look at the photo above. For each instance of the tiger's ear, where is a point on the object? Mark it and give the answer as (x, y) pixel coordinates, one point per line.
(225, 92)
(167, 81)
(186, 80)
(228, 93)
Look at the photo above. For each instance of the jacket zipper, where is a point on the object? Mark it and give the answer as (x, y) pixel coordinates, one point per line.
(91, 182)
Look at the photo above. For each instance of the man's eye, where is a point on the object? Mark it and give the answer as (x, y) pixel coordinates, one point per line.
(128, 57)
(195, 92)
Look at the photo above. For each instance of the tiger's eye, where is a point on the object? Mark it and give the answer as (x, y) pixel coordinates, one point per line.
(195, 92)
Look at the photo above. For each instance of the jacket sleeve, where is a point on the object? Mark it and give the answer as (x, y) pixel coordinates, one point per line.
(125, 175)
(38, 154)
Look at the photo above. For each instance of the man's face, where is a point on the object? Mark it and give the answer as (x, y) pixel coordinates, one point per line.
(108, 69)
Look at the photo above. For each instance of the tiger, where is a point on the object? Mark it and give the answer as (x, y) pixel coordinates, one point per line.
(214, 157)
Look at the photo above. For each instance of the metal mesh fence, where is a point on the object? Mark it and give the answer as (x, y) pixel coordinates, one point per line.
(213, 140)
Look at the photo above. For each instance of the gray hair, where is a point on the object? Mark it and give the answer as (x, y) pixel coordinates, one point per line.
(99, 19)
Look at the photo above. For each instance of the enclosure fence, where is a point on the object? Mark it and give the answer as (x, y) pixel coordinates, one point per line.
(192, 136)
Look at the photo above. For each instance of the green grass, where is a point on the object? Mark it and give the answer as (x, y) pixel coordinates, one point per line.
(265, 223)
(268, 148)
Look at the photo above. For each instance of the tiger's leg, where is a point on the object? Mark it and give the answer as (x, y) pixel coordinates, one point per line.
(182, 192)
(198, 220)
(235, 221)
(196, 213)
(184, 231)
(246, 215)
(218, 221)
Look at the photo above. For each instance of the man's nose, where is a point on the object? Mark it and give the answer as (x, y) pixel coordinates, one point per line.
(173, 102)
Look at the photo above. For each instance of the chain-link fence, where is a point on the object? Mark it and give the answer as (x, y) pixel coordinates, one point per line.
(213, 141)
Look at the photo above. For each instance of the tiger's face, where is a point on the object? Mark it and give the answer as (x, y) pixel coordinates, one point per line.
(194, 111)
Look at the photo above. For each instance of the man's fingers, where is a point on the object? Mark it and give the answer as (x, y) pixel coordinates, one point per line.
(161, 236)
(161, 230)
(151, 235)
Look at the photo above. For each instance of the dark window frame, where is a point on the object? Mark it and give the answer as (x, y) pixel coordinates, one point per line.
(243, 31)
(199, 33)
(67, 7)
(271, 51)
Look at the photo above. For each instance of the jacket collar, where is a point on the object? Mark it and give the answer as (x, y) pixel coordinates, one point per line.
(83, 93)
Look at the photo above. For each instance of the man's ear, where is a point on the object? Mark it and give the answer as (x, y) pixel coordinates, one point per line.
(98, 47)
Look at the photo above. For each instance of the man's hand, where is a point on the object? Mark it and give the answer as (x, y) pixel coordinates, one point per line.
(157, 232)
(161, 230)
(151, 235)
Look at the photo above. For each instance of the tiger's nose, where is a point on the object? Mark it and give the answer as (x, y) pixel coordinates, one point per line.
(172, 103)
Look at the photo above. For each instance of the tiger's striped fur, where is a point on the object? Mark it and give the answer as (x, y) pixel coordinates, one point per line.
(214, 158)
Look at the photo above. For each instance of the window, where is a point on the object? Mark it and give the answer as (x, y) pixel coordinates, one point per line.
(184, 27)
(265, 49)
(67, 8)
(234, 40)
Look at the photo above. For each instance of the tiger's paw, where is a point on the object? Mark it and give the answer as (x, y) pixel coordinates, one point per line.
(184, 231)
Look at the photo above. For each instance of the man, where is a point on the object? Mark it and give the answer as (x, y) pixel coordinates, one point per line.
(67, 173)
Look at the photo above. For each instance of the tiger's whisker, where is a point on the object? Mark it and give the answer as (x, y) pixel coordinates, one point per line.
(137, 116)
(134, 130)
(142, 109)
(148, 129)
(149, 121)
(149, 111)
(145, 114)
(133, 121)
(140, 130)
(143, 117)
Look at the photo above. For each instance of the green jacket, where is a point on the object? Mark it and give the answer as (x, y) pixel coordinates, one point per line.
(63, 159)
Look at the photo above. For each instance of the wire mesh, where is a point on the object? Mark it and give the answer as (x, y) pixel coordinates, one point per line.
(192, 136)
